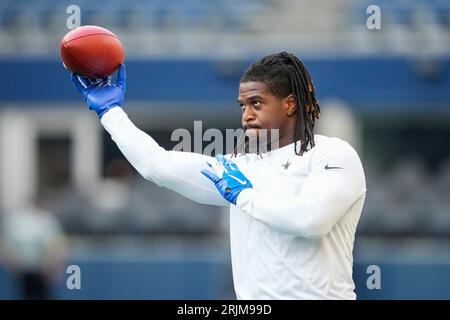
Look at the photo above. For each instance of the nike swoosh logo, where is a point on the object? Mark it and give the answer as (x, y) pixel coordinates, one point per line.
(327, 167)
(244, 182)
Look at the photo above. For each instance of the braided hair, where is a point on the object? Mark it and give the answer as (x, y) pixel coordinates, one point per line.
(285, 74)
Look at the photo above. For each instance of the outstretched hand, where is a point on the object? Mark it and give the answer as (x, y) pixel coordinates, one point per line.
(101, 95)
(227, 177)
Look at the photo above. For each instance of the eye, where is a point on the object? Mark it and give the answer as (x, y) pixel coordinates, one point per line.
(242, 106)
(257, 104)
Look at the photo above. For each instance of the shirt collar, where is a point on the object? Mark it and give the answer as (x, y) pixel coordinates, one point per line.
(281, 154)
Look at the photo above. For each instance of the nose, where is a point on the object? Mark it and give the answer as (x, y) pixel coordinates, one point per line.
(248, 115)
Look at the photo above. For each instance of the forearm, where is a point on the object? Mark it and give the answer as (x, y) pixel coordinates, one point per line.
(325, 196)
(308, 216)
(177, 171)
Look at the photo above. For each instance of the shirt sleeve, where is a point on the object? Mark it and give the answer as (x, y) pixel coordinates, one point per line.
(174, 170)
(335, 182)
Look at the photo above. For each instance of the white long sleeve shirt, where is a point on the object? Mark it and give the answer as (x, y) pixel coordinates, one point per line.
(292, 234)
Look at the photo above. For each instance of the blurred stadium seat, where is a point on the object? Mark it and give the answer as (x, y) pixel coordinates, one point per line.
(310, 26)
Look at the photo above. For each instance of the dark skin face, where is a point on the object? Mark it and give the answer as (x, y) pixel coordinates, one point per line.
(263, 110)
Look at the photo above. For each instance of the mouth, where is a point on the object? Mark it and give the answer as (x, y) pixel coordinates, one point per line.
(248, 127)
(251, 131)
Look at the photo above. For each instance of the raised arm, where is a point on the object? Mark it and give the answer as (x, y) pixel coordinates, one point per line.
(177, 171)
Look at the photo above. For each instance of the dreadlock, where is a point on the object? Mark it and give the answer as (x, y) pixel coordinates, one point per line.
(285, 74)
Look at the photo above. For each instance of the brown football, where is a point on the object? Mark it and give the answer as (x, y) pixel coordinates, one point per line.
(92, 51)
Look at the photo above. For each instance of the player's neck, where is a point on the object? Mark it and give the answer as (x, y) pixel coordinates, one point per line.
(284, 140)
(286, 134)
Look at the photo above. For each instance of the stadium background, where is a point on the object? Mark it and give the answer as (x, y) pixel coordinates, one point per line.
(386, 91)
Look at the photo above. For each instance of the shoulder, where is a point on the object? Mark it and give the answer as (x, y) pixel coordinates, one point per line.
(337, 158)
(324, 144)
(331, 148)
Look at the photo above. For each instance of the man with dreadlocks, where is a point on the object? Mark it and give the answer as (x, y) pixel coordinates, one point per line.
(293, 208)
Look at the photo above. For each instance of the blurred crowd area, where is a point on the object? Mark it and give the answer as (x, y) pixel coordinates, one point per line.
(65, 185)
(234, 28)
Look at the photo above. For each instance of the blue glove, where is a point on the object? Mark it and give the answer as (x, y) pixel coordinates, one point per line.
(101, 95)
(228, 179)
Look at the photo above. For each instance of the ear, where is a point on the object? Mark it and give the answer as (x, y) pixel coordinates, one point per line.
(289, 105)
